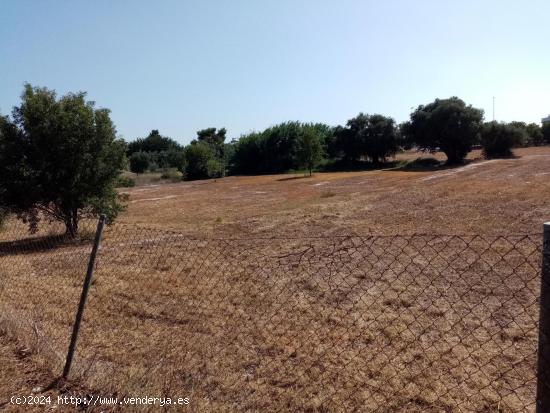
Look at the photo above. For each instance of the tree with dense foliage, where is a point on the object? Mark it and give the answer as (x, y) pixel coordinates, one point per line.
(275, 149)
(247, 155)
(380, 138)
(175, 159)
(309, 150)
(448, 125)
(279, 145)
(215, 139)
(367, 136)
(59, 160)
(498, 139)
(531, 134)
(349, 139)
(546, 133)
(157, 152)
(198, 157)
(154, 142)
(534, 132)
(139, 162)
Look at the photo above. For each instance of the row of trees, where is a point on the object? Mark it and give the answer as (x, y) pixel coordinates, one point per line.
(447, 125)
(205, 157)
(60, 158)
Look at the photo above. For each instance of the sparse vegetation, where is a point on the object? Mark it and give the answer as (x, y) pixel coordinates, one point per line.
(308, 207)
(258, 298)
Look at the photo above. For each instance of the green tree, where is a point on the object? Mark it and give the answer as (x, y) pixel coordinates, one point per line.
(176, 159)
(309, 150)
(215, 139)
(380, 139)
(274, 149)
(350, 139)
(534, 132)
(197, 157)
(367, 136)
(154, 142)
(139, 162)
(498, 139)
(278, 145)
(214, 168)
(448, 125)
(546, 133)
(248, 155)
(59, 160)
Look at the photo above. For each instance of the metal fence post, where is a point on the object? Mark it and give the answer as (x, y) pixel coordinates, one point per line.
(543, 371)
(83, 297)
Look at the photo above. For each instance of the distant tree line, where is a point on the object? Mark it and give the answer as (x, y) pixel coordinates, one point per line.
(60, 158)
(447, 125)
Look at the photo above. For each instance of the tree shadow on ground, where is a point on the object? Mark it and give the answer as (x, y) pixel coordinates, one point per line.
(430, 165)
(292, 178)
(39, 244)
(342, 165)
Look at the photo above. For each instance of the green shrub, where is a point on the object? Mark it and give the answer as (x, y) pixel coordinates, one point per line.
(125, 182)
(139, 162)
(214, 168)
(498, 139)
(545, 134)
(171, 174)
(197, 158)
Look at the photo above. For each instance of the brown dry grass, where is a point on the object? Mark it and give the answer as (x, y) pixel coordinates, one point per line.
(501, 196)
(299, 323)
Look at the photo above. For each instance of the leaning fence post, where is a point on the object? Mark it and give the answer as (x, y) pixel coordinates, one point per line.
(543, 371)
(83, 296)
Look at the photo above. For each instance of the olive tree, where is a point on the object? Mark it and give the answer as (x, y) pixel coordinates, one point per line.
(498, 139)
(139, 162)
(448, 125)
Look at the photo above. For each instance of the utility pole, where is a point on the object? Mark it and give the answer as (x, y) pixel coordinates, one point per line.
(493, 108)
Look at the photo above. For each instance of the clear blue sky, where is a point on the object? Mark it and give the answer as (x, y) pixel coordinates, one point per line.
(179, 66)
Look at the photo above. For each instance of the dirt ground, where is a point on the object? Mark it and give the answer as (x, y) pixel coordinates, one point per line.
(249, 294)
(20, 376)
(484, 197)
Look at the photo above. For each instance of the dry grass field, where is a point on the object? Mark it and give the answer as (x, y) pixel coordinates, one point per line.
(343, 292)
(484, 197)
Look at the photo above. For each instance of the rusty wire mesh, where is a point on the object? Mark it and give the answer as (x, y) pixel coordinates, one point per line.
(316, 324)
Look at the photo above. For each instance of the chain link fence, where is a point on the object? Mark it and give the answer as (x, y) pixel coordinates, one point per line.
(415, 323)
